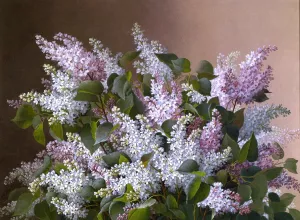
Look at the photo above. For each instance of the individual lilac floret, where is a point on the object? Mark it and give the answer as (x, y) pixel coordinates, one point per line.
(72, 56)
(222, 201)
(212, 135)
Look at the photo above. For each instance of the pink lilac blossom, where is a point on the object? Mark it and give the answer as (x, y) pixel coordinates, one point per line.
(212, 135)
(165, 102)
(72, 56)
(221, 200)
(252, 79)
(284, 180)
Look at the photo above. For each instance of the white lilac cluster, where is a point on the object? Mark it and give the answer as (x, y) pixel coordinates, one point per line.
(194, 95)
(59, 99)
(24, 174)
(144, 180)
(258, 117)
(149, 63)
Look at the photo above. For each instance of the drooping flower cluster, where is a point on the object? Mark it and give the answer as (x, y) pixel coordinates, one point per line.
(148, 146)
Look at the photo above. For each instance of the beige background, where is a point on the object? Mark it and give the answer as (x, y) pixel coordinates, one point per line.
(196, 29)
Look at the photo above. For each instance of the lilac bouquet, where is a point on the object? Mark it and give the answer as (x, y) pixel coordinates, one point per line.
(139, 136)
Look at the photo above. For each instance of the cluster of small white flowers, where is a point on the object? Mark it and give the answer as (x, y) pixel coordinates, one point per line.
(143, 179)
(72, 210)
(68, 182)
(181, 149)
(211, 161)
(220, 200)
(59, 100)
(25, 173)
(194, 95)
(8, 209)
(258, 118)
(137, 137)
(111, 62)
(150, 63)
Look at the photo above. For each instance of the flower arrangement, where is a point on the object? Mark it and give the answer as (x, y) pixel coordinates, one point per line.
(137, 136)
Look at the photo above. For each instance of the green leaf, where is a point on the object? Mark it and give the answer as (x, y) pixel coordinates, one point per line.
(208, 76)
(139, 214)
(249, 150)
(39, 135)
(24, 116)
(283, 216)
(23, 204)
(203, 111)
(287, 198)
(202, 193)
(257, 206)
(260, 97)
(251, 216)
(205, 86)
(14, 195)
(126, 104)
(166, 58)
(59, 166)
(115, 209)
(98, 184)
(232, 130)
(190, 108)
(167, 126)
(138, 107)
(279, 152)
(103, 131)
(36, 121)
(291, 165)
(273, 197)
(214, 100)
(222, 176)
(178, 213)
(43, 212)
(105, 203)
(123, 159)
(160, 208)
(121, 86)
(114, 158)
(89, 90)
(188, 165)
(87, 138)
(56, 131)
(128, 57)
(205, 67)
(87, 192)
(90, 87)
(45, 167)
(171, 202)
(193, 187)
(146, 158)
(148, 203)
(199, 173)
(272, 173)
(111, 79)
(295, 213)
(229, 142)
(244, 191)
(277, 206)
(49, 196)
(259, 187)
(239, 118)
(248, 173)
(181, 65)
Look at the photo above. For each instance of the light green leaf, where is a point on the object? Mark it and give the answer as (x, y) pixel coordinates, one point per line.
(171, 202)
(115, 209)
(287, 198)
(139, 214)
(24, 116)
(193, 187)
(23, 204)
(56, 131)
(291, 165)
(103, 131)
(39, 135)
(244, 191)
(128, 57)
(181, 65)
